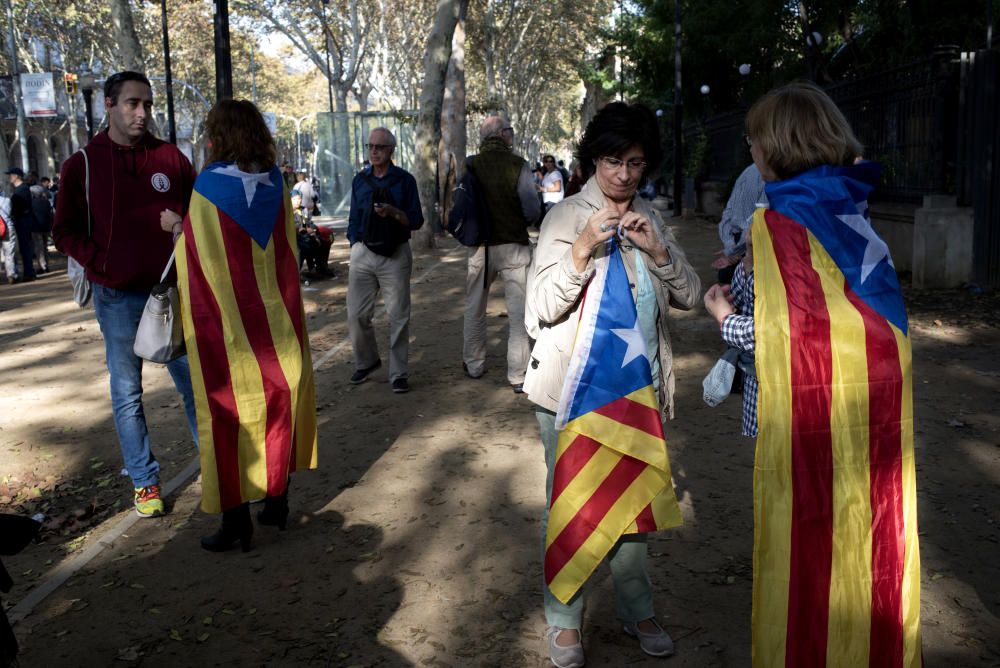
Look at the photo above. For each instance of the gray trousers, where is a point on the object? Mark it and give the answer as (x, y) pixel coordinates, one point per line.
(370, 272)
(8, 248)
(510, 262)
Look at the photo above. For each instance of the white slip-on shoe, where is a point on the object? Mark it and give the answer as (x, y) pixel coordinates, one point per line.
(570, 656)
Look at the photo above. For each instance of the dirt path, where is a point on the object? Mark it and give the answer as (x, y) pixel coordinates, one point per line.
(416, 542)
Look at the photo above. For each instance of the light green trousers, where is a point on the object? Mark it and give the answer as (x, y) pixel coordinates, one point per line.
(627, 559)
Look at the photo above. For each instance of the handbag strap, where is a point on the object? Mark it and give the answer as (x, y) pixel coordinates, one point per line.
(166, 271)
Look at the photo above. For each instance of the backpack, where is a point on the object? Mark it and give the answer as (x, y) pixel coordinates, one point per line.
(382, 234)
(468, 220)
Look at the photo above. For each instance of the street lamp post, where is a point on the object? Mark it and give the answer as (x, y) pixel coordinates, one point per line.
(678, 115)
(298, 133)
(171, 125)
(223, 58)
(88, 82)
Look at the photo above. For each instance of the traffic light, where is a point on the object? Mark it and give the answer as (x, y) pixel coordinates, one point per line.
(72, 84)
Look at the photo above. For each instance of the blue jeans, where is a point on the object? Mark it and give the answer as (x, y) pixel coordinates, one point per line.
(627, 559)
(118, 313)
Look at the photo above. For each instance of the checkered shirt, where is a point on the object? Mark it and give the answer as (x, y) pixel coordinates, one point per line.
(737, 331)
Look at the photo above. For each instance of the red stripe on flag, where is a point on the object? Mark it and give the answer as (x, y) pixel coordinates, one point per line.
(578, 530)
(277, 396)
(288, 276)
(885, 405)
(811, 546)
(646, 522)
(574, 458)
(215, 373)
(633, 414)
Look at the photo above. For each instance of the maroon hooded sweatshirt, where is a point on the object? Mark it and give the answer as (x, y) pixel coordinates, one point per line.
(129, 187)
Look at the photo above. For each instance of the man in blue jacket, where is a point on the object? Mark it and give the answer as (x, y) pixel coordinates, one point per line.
(385, 209)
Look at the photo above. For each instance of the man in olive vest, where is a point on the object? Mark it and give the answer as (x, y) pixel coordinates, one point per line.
(508, 189)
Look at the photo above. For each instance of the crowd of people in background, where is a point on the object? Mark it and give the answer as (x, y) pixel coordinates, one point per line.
(26, 224)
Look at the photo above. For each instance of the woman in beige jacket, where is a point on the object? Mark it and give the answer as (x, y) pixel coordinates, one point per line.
(619, 148)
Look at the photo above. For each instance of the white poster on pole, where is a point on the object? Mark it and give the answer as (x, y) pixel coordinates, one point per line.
(38, 95)
(271, 120)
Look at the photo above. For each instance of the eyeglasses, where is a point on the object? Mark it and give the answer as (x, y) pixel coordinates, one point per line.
(747, 139)
(614, 164)
(379, 147)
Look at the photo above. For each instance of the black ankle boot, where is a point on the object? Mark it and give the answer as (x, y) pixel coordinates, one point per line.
(236, 527)
(275, 512)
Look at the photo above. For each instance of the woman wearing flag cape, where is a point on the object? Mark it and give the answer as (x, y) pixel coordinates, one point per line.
(605, 274)
(244, 327)
(836, 567)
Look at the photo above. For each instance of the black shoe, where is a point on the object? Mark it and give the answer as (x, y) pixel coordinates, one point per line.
(465, 368)
(236, 528)
(275, 512)
(518, 388)
(361, 375)
(400, 385)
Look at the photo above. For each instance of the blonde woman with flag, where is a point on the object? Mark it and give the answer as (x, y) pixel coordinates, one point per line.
(605, 275)
(244, 327)
(836, 568)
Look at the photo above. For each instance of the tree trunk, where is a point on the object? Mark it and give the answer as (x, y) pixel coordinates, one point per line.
(125, 37)
(491, 77)
(436, 59)
(594, 96)
(451, 163)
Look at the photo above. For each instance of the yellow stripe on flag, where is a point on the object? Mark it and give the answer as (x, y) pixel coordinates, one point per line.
(622, 438)
(772, 462)
(849, 621)
(582, 487)
(294, 361)
(593, 550)
(206, 440)
(912, 654)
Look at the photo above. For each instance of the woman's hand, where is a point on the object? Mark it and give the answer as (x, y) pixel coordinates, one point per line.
(168, 219)
(640, 232)
(718, 302)
(599, 228)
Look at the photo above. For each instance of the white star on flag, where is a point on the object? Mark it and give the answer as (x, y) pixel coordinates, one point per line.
(634, 340)
(876, 249)
(250, 181)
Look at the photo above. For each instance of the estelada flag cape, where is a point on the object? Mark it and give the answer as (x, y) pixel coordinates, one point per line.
(245, 331)
(612, 473)
(836, 561)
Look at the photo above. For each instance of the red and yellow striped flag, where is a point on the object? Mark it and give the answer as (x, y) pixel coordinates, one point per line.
(245, 331)
(612, 473)
(836, 559)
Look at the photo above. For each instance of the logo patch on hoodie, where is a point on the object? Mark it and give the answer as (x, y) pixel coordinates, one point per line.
(160, 181)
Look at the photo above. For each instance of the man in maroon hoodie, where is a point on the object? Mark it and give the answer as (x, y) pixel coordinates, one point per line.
(114, 232)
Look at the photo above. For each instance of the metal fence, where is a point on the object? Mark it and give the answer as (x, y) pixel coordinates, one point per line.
(904, 117)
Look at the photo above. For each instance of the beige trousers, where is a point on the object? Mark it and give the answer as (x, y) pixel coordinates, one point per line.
(510, 262)
(369, 273)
